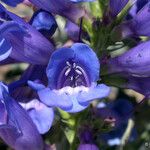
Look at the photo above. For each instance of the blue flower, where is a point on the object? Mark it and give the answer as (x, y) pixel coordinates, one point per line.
(139, 84)
(134, 62)
(118, 110)
(115, 7)
(87, 147)
(41, 115)
(78, 1)
(44, 22)
(86, 138)
(73, 31)
(138, 5)
(64, 8)
(5, 48)
(24, 42)
(16, 127)
(12, 3)
(138, 25)
(72, 74)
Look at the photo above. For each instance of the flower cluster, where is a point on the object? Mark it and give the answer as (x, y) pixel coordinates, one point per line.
(69, 67)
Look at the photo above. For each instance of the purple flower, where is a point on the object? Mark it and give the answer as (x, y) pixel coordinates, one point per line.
(5, 48)
(41, 115)
(138, 5)
(118, 110)
(139, 84)
(12, 3)
(87, 147)
(135, 62)
(44, 22)
(72, 79)
(64, 8)
(77, 1)
(27, 44)
(86, 138)
(138, 25)
(115, 7)
(73, 32)
(16, 127)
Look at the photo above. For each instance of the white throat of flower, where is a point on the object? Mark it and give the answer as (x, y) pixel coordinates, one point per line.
(72, 90)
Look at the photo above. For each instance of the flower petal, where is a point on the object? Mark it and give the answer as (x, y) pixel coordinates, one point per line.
(78, 1)
(12, 3)
(5, 48)
(139, 25)
(76, 107)
(64, 8)
(53, 99)
(21, 131)
(134, 62)
(88, 56)
(56, 60)
(62, 55)
(27, 43)
(95, 92)
(87, 147)
(72, 30)
(44, 22)
(41, 115)
(116, 6)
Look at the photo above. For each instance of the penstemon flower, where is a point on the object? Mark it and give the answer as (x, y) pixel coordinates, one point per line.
(64, 8)
(135, 62)
(138, 25)
(16, 127)
(41, 115)
(12, 3)
(119, 112)
(72, 79)
(87, 147)
(62, 73)
(27, 44)
(44, 22)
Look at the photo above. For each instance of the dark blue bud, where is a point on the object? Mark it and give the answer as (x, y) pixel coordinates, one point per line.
(44, 22)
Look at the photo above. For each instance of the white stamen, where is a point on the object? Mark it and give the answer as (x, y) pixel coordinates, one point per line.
(67, 62)
(2, 41)
(78, 71)
(74, 65)
(67, 71)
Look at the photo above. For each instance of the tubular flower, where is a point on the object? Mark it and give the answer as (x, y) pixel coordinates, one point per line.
(72, 79)
(139, 84)
(119, 110)
(41, 115)
(12, 3)
(138, 25)
(25, 43)
(87, 147)
(115, 7)
(16, 127)
(135, 62)
(44, 22)
(77, 1)
(86, 138)
(64, 8)
(138, 5)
